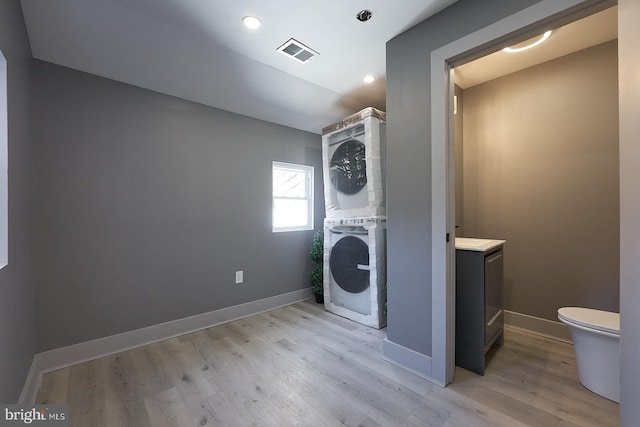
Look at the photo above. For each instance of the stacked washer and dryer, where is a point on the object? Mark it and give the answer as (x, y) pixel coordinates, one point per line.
(353, 152)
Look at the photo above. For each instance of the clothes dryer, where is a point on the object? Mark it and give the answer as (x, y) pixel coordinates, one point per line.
(353, 173)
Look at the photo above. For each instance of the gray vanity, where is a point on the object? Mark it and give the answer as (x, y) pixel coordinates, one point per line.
(479, 300)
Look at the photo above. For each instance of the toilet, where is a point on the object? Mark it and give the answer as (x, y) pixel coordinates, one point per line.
(596, 341)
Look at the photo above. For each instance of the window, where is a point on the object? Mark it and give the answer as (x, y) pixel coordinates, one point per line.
(4, 189)
(292, 197)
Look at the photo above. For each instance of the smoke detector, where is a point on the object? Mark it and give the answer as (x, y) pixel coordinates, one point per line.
(298, 51)
(364, 15)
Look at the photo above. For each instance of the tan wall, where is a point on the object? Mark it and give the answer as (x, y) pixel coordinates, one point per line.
(458, 142)
(541, 171)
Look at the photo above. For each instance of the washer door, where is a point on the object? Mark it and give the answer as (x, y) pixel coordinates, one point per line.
(348, 168)
(349, 263)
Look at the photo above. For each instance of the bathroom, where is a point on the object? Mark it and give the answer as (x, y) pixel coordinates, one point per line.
(537, 165)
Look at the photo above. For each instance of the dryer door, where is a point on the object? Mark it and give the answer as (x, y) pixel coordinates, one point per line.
(349, 263)
(348, 167)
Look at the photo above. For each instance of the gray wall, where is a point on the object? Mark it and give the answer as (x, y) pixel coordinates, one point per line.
(408, 162)
(17, 316)
(629, 64)
(147, 204)
(541, 171)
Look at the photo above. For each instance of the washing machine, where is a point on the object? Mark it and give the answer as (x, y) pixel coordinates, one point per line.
(353, 150)
(354, 269)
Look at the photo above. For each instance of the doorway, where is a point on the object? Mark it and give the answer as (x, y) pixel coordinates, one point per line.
(521, 26)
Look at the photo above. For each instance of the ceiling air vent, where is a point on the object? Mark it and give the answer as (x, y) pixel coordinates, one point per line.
(296, 50)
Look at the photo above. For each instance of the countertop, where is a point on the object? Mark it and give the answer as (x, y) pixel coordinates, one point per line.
(478, 245)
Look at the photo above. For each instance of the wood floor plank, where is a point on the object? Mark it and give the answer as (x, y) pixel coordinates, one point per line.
(468, 412)
(123, 395)
(506, 404)
(54, 387)
(167, 409)
(255, 396)
(360, 343)
(302, 366)
(357, 384)
(79, 389)
(289, 380)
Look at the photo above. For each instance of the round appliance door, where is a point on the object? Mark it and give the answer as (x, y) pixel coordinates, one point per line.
(349, 263)
(348, 168)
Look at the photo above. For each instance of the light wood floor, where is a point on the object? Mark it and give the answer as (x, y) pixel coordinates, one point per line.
(302, 366)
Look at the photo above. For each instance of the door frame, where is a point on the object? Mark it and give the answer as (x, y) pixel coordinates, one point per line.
(519, 26)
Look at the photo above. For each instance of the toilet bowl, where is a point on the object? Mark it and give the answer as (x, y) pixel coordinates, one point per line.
(596, 341)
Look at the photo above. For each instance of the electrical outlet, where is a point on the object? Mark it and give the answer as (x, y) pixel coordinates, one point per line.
(239, 277)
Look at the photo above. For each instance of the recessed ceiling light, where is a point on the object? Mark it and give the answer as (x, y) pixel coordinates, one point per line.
(251, 22)
(369, 79)
(529, 46)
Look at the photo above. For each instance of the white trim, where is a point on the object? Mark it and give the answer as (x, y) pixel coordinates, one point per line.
(537, 325)
(308, 172)
(32, 383)
(77, 353)
(4, 163)
(443, 305)
(409, 360)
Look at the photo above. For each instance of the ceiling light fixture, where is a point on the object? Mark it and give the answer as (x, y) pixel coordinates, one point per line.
(251, 22)
(369, 79)
(529, 46)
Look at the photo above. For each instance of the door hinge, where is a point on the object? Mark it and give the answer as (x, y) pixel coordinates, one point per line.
(447, 237)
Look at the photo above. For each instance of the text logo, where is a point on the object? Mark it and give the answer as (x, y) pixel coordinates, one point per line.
(37, 415)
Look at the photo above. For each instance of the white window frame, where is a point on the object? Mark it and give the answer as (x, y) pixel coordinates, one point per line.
(308, 171)
(4, 179)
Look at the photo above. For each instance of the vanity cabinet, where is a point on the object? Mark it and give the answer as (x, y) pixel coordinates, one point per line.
(479, 304)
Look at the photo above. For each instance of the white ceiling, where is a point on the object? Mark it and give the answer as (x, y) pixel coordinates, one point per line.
(200, 51)
(587, 32)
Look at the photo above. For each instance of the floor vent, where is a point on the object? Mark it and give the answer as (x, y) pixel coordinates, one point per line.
(296, 50)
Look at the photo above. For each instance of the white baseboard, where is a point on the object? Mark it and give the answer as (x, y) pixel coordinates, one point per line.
(77, 353)
(32, 383)
(536, 325)
(407, 359)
